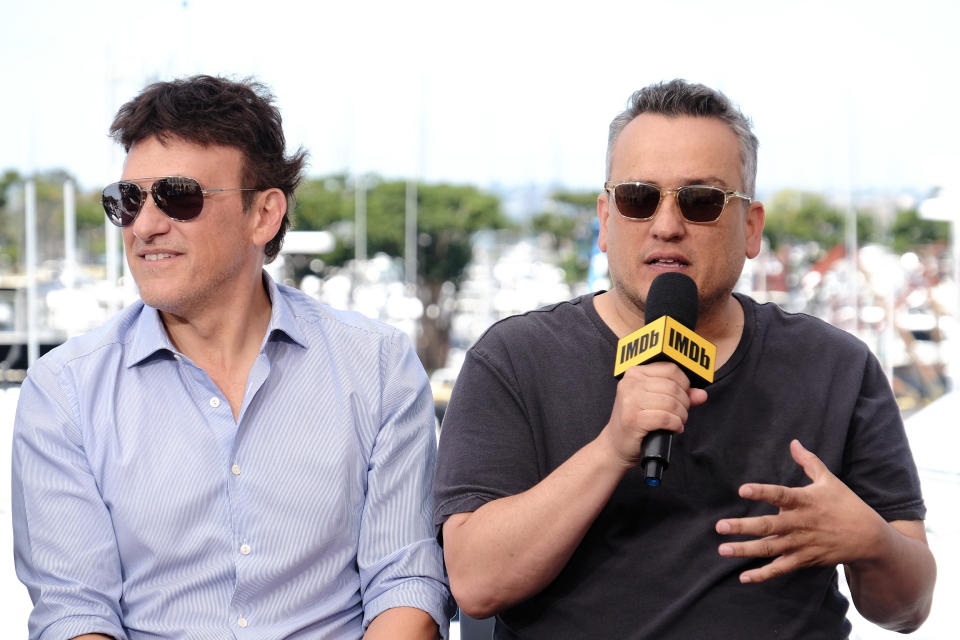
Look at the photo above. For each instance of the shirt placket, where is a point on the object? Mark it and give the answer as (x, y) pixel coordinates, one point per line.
(243, 608)
(219, 416)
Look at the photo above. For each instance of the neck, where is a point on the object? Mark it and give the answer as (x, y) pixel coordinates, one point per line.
(219, 338)
(723, 326)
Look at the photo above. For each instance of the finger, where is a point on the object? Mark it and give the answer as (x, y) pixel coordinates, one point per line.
(756, 526)
(665, 370)
(635, 403)
(811, 464)
(644, 413)
(775, 494)
(664, 379)
(768, 547)
(638, 396)
(656, 420)
(780, 566)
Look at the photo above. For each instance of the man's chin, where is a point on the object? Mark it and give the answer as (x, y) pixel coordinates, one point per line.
(164, 302)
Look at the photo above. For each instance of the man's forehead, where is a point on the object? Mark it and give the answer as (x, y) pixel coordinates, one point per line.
(175, 156)
(658, 126)
(173, 141)
(687, 148)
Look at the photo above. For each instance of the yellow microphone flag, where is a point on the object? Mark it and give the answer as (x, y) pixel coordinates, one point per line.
(667, 339)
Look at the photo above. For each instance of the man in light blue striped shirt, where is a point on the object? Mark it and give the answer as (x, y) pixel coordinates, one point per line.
(225, 458)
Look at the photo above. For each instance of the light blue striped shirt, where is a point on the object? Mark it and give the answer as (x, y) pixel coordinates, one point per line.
(141, 509)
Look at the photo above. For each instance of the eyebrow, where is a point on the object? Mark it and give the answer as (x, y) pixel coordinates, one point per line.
(154, 178)
(709, 181)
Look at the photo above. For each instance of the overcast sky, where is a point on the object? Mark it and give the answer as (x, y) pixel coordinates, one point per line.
(842, 94)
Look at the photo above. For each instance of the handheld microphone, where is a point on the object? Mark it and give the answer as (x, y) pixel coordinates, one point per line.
(670, 315)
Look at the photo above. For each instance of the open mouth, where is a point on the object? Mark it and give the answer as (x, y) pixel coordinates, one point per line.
(153, 257)
(668, 262)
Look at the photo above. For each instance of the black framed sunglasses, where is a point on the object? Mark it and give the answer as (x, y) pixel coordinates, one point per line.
(697, 203)
(180, 198)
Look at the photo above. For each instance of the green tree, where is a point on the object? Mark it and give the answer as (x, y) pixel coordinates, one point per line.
(447, 216)
(910, 231)
(91, 239)
(581, 201)
(326, 204)
(800, 217)
(567, 224)
(10, 222)
(50, 212)
(9, 178)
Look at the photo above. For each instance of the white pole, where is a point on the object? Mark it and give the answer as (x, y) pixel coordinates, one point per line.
(850, 239)
(953, 361)
(360, 218)
(412, 208)
(945, 207)
(129, 289)
(853, 273)
(69, 234)
(410, 237)
(113, 261)
(30, 224)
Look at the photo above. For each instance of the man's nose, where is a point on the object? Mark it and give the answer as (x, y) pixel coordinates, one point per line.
(151, 221)
(668, 223)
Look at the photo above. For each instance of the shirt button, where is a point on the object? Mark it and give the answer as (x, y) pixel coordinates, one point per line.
(214, 402)
(235, 469)
(245, 549)
(241, 622)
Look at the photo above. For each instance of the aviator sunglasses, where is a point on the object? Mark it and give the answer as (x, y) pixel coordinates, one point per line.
(181, 199)
(697, 203)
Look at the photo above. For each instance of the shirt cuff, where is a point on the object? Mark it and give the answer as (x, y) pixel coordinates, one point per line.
(418, 594)
(72, 626)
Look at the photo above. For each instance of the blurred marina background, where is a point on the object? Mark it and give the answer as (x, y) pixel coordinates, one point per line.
(456, 156)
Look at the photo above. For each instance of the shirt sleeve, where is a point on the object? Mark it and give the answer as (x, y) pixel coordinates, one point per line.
(400, 562)
(65, 550)
(487, 448)
(877, 463)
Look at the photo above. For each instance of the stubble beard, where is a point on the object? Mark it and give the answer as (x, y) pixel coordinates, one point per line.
(707, 304)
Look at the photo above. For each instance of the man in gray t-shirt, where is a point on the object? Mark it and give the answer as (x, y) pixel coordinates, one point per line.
(542, 514)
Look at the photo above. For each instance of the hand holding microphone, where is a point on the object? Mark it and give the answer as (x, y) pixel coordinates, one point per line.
(666, 337)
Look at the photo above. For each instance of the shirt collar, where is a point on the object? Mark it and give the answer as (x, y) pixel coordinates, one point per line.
(150, 337)
(283, 319)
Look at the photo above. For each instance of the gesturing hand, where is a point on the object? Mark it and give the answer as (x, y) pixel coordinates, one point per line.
(821, 524)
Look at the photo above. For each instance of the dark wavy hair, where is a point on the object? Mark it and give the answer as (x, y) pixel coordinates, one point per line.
(208, 110)
(681, 98)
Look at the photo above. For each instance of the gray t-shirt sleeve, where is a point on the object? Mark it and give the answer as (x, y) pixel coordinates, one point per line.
(486, 450)
(877, 463)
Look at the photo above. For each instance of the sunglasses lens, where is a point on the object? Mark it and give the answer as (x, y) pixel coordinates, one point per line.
(179, 198)
(701, 204)
(637, 201)
(121, 202)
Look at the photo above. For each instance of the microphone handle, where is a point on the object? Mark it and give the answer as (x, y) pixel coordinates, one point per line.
(655, 456)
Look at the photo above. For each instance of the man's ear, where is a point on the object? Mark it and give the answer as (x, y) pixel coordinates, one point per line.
(268, 210)
(753, 229)
(603, 213)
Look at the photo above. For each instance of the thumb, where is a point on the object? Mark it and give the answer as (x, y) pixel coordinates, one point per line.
(811, 464)
(697, 396)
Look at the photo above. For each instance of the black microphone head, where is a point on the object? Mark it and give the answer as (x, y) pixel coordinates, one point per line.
(672, 294)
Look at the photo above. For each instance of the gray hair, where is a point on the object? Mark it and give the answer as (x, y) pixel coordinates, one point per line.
(682, 98)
